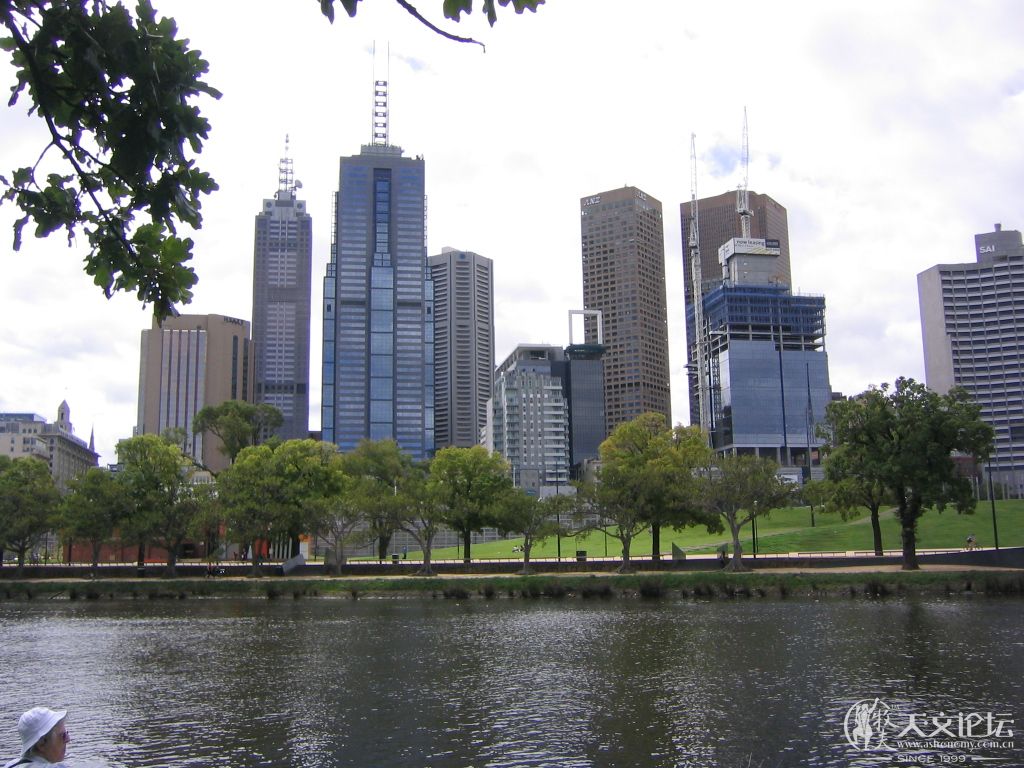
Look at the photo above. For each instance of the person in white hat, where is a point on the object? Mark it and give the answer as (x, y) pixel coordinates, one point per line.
(44, 737)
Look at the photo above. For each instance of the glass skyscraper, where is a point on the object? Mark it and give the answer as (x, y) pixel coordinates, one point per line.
(378, 353)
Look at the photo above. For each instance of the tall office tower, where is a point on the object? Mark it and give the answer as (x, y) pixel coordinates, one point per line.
(378, 361)
(188, 362)
(463, 345)
(529, 419)
(719, 223)
(763, 361)
(974, 338)
(624, 277)
(282, 259)
(26, 434)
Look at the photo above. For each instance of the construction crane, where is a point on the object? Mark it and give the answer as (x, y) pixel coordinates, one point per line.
(742, 195)
(696, 277)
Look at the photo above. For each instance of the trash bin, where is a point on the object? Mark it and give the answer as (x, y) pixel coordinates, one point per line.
(395, 558)
(581, 555)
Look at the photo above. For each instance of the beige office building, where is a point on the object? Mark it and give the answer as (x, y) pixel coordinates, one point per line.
(623, 238)
(189, 362)
(26, 434)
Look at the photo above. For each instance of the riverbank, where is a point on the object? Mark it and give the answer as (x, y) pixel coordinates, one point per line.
(852, 583)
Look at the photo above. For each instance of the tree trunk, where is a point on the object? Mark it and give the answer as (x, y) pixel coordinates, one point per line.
(21, 560)
(655, 542)
(876, 531)
(295, 545)
(383, 542)
(467, 536)
(908, 530)
(736, 563)
(626, 566)
(527, 546)
(426, 569)
(142, 555)
(96, 558)
(172, 561)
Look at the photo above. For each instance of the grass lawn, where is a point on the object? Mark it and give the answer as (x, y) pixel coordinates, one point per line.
(789, 530)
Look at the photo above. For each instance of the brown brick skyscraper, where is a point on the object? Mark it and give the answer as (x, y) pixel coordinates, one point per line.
(624, 276)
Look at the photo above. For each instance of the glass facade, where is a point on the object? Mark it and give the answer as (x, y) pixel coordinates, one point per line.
(378, 324)
(768, 371)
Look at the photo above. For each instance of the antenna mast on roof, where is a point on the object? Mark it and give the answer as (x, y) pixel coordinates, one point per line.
(285, 173)
(742, 195)
(380, 102)
(700, 365)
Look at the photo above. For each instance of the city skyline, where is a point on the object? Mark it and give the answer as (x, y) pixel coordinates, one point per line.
(879, 123)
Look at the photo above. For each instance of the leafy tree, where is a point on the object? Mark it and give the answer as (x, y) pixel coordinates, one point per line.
(420, 513)
(858, 468)
(117, 92)
(534, 519)
(97, 502)
(384, 464)
(647, 480)
(345, 518)
(903, 440)
(740, 488)
(817, 493)
(237, 424)
(279, 491)
(165, 502)
(311, 475)
(468, 483)
(28, 501)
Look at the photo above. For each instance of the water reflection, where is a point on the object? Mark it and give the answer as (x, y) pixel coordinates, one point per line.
(494, 683)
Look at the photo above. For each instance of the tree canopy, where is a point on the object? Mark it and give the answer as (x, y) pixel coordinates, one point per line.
(647, 480)
(237, 424)
(97, 502)
(28, 502)
(468, 483)
(739, 489)
(904, 438)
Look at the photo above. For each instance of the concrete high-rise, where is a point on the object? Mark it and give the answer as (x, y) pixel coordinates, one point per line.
(623, 243)
(189, 362)
(530, 419)
(973, 333)
(282, 258)
(463, 345)
(378, 341)
(719, 223)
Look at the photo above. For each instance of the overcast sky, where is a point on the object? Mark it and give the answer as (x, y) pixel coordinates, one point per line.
(891, 132)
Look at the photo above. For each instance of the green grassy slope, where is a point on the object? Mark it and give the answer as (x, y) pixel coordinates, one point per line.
(789, 530)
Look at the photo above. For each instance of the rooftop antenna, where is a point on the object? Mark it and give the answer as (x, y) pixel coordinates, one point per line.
(285, 174)
(696, 276)
(380, 101)
(742, 195)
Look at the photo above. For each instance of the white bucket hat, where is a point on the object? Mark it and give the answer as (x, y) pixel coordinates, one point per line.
(35, 724)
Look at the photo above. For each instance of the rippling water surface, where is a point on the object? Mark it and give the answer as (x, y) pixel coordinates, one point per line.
(332, 682)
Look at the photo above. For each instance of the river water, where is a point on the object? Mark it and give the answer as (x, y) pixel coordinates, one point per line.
(421, 682)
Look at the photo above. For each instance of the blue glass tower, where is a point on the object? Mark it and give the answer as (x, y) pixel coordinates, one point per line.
(378, 357)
